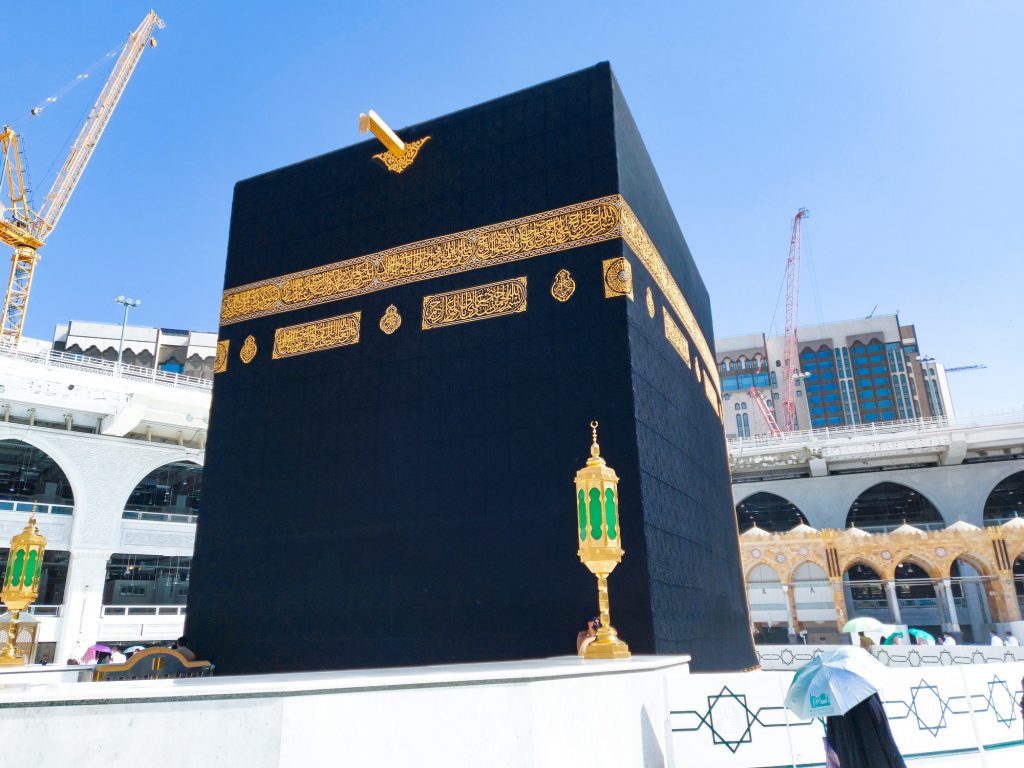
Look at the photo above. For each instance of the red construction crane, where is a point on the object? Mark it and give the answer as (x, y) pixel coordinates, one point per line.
(766, 413)
(790, 366)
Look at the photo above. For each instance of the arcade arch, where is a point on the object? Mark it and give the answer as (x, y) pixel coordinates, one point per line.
(28, 474)
(917, 598)
(170, 492)
(864, 591)
(1006, 500)
(770, 512)
(885, 506)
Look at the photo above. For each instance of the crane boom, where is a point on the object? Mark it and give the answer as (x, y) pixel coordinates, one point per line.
(26, 230)
(66, 181)
(790, 368)
(762, 408)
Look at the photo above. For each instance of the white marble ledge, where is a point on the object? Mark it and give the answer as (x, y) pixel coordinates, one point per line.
(335, 682)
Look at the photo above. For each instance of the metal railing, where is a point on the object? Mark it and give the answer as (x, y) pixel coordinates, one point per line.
(159, 517)
(143, 610)
(66, 360)
(45, 610)
(10, 505)
(885, 428)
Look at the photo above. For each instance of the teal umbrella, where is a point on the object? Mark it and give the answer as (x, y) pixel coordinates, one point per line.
(930, 639)
(833, 683)
(862, 624)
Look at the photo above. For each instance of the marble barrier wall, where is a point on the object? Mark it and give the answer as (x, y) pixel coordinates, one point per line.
(739, 721)
(792, 657)
(552, 712)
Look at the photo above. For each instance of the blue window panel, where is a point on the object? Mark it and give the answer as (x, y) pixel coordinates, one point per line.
(881, 380)
(874, 348)
(864, 382)
(806, 355)
(814, 399)
(833, 420)
(885, 403)
(730, 385)
(827, 375)
(910, 349)
(824, 353)
(813, 387)
(882, 392)
(892, 345)
(810, 366)
(761, 379)
(745, 380)
(831, 398)
(886, 415)
(826, 364)
(879, 369)
(860, 360)
(829, 386)
(862, 371)
(817, 411)
(817, 422)
(832, 409)
(864, 394)
(868, 406)
(876, 359)
(870, 417)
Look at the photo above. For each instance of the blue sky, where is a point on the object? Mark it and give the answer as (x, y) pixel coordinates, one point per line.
(898, 124)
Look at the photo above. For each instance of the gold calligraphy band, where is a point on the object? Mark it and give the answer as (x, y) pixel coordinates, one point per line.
(573, 226)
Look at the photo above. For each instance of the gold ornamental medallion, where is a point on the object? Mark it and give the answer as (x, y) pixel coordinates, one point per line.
(564, 286)
(248, 351)
(390, 320)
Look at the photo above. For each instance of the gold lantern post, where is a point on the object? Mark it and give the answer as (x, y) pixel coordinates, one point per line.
(21, 584)
(597, 504)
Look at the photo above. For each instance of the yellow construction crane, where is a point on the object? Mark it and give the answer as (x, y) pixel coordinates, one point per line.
(26, 229)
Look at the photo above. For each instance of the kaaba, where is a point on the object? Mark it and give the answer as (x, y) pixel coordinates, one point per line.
(412, 347)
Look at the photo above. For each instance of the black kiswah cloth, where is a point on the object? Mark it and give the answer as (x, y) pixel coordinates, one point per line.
(862, 739)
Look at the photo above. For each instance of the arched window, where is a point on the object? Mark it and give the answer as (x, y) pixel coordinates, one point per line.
(772, 513)
(29, 475)
(1006, 500)
(170, 492)
(864, 592)
(888, 505)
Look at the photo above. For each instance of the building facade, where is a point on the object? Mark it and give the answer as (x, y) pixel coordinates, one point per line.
(862, 371)
(170, 350)
(110, 456)
(917, 523)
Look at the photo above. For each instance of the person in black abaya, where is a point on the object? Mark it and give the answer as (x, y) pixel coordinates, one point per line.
(862, 739)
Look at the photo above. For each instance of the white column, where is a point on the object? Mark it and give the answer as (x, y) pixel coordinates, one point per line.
(83, 601)
(954, 621)
(894, 605)
(791, 620)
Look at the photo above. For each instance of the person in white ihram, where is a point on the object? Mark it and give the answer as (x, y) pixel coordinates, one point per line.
(1010, 640)
(949, 640)
(996, 639)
